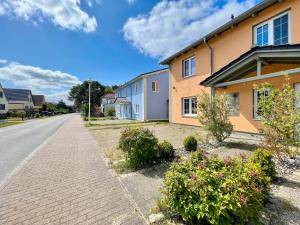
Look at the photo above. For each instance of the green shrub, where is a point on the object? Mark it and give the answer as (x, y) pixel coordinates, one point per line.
(21, 114)
(190, 143)
(280, 119)
(214, 115)
(166, 151)
(110, 112)
(264, 158)
(213, 191)
(140, 147)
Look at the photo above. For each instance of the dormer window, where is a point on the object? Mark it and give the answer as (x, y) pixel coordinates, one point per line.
(275, 31)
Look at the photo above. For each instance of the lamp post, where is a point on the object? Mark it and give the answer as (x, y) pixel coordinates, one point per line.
(89, 114)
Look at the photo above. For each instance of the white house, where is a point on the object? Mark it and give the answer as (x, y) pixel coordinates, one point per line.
(3, 101)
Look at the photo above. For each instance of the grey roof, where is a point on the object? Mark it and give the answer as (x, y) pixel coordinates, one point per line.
(154, 72)
(252, 11)
(122, 100)
(109, 95)
(16, 94)
(38, 100)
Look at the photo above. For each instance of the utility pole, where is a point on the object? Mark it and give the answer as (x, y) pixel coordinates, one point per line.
(90, 82)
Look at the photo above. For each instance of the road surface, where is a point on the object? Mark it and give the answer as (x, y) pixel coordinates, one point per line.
(17, 142)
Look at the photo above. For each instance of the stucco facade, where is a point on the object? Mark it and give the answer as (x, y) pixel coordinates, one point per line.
(220, 49)
(137, 101)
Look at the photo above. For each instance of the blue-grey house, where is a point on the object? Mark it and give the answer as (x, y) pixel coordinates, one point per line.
(145, 97)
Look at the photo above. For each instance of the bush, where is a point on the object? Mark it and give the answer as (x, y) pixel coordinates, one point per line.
(215, 191)
(140, 147)
(280, 119)
(190, 143)
(166, 151)
(264, 158)
(21, 114)
(3, 116)
(213, 115)
(110, 112)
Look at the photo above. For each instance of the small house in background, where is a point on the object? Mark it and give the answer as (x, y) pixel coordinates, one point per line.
(3, 101)
(107, 102)
(38, 101)
(146, 97)
(19, 99)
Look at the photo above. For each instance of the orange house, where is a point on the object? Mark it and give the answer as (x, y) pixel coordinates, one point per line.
(261, 45)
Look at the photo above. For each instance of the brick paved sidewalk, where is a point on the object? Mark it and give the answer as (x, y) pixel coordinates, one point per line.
(66, 182)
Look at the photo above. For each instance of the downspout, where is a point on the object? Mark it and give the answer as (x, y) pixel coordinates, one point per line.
(211, 56)
(212, 88)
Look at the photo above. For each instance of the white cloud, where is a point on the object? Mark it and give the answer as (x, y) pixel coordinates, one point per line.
(65, 14)
(172, 25)
(53, 84)
(131, 2)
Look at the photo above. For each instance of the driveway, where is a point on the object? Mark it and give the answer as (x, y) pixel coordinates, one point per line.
(67, 182)
(17, 142)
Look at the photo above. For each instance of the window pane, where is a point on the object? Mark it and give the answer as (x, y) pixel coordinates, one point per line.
(281, 30)
(186, 106)
(193, 66)
(194, 105)
(259, 40)
(186, 68)
(153, 86)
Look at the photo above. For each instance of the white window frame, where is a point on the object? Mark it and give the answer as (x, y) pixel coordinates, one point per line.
(137, 109)
(255, 103)
(156, 86)
(189, 60)
(270, 23)
(136, 88)
(189, 114)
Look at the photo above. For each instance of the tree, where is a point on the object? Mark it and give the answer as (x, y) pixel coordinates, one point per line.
(61, 105)
(80, 94)
(280, 119)
(213, 115)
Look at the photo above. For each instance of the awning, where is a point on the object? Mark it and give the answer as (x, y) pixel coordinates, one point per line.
(252, 60)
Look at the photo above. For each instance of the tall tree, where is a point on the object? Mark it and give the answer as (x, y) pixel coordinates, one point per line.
(80, 94)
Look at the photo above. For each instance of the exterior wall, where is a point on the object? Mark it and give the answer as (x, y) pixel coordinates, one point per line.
(134, 98)
(157, 102)
(137, 98)
(245, 120)
(3, 101)
(16, 106)
(225, 50)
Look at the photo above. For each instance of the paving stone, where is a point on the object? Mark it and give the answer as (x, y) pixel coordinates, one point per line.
(67, 182)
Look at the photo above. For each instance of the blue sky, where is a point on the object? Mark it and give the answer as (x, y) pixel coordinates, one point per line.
(48, 47)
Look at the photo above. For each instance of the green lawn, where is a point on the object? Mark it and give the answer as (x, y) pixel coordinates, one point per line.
(11, 123)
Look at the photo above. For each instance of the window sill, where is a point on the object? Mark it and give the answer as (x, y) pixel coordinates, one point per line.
(189, 116)
(189, 76)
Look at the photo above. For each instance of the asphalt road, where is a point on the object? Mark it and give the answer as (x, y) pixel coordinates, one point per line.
(17, 142)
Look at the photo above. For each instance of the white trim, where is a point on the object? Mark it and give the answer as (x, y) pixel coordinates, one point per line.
(270, 23)
(190, 73)
(190, 114)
